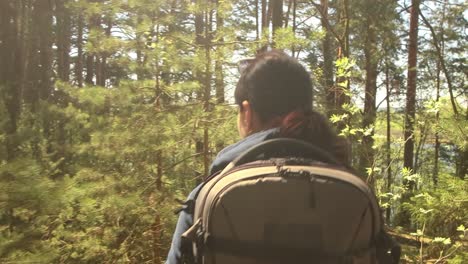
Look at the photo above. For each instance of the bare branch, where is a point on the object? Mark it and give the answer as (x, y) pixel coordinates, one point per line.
(329, 27)
(442, 63)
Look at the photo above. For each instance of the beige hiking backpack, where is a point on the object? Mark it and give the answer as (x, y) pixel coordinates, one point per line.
(293, 204)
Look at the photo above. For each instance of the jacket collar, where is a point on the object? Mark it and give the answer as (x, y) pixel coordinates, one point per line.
(229, 153)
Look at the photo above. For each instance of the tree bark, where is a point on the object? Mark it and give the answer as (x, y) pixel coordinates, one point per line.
(269, 14)
(411, 89)
(257, 21)
(419, 145)
(42, 20)
(201, 41)
(11, 69)
(277, 14)
(98, 68)
(93, 62)
(342, 84)
(89, 68)
(404, 217)
(294, 26)
(328, 61)
(159, 162)
(79, 47)
(462, 163)
(219, 73)
(341, 96)
(369, 115)
(157, 230)
(207, 89)
(105, 55)
(63, 38)
(288, 12)
(31, 93)
(264, 17)
(435, 175)
(389, 141)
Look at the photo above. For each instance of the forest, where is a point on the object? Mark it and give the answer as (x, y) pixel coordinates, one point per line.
(111, 112)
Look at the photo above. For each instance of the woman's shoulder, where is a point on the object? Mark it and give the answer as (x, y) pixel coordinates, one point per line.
(229, 153)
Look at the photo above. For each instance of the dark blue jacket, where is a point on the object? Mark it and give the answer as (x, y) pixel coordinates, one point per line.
(222, 160)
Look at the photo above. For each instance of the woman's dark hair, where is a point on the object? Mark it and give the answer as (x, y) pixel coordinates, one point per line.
(279, 90)
(274, 84)
(315, 128)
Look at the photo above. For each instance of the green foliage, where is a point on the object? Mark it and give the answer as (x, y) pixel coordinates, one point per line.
(449, 125)
(286, 39)
(443, 209)
(90, 174)
(29, 200)
(103, 205)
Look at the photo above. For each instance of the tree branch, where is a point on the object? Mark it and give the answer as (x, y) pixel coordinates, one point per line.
(442, 63)
(329, 27)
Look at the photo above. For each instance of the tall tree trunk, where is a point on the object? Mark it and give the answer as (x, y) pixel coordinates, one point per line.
(435, 174)
(342, 97)
(410, 111)
(422, 141)
(264, 17)
(139, 50)
(42, 18)
(219, 73)
(462, 162)
(389, 142)
(93, 63)
(288, 12)
(23, 40)
(198, 76)
(11, 69)
(156, 227)
(257, 20)
(157, 234)
(346, 19)
(277, 14)
(63, 38)
(328, 60)
(104, 55)
(462, 158)
(207, 88)
(79, 47)
(39, 71)
(31, 94)
(342, 84)
(411, 89)
(89, 68)
(294, 26)
(159, 162)
(269, 14)
(367, 154)
(98, 68)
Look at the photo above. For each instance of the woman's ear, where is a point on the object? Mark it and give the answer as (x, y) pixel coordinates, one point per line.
(245, 119)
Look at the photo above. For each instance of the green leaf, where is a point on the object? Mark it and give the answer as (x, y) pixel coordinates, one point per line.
(443, 240)
(417, 233)
(423, 211)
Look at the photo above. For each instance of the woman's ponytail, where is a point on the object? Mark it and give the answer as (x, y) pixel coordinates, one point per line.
(294, 125)
(314, 128)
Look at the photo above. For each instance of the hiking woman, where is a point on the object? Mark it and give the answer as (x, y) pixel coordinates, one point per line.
(274, 96)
